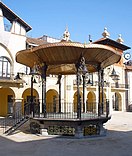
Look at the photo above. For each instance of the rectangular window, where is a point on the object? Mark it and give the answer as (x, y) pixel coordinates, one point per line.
(4, 68)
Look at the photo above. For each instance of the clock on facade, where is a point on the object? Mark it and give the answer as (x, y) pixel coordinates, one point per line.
(127, 56)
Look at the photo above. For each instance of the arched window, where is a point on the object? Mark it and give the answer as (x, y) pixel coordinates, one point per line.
(4, 67)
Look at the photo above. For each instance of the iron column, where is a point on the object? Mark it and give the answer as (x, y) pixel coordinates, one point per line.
(78, 97)
(59, 79)
(44, 68)
(83, 93)
(31, 100)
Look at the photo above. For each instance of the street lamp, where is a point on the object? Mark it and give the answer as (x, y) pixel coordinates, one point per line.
(17, 77)
(33, 71)
(43, 77)
(115, 77)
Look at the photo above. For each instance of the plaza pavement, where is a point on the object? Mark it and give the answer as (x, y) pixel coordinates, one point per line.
(118, 141)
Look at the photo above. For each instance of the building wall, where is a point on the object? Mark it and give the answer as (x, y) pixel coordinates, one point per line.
(11, 42)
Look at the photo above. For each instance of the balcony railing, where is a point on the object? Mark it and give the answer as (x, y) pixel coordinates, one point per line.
(89, 83)
(106, 84)
(69, 111)
(117, 85)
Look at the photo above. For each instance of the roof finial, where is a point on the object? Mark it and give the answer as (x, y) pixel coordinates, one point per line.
(105, 34)
(120, 40)
(66, 35)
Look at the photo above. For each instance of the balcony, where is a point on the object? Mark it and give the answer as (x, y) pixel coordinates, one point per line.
(117, 85)
(88, 83)
(106, 84)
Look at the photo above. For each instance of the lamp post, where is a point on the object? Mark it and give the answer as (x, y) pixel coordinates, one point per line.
(32, 73)
(100, 90)
(78, 97)
(115, 77)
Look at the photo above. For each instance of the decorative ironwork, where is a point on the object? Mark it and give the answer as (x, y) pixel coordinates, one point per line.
(43, 76)
(91, 130)
(11, 123)
(59, 82)
(33, 71)
(34, 127)
(82, 69)
(70, 111)
(61, 130)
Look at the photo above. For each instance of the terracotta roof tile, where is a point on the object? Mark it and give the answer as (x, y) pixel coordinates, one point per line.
(35, 41)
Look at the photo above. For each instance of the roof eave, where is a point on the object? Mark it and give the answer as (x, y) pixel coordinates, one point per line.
(107, 41)
(11, 16)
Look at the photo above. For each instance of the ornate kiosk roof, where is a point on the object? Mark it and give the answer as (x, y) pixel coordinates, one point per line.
(62, 57)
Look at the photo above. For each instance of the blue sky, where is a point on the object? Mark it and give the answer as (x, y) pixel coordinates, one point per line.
(83, 17)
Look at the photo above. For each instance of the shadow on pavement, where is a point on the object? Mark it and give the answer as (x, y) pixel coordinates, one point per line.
(115, 143)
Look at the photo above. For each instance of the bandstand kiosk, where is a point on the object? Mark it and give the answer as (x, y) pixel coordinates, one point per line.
(70, 58)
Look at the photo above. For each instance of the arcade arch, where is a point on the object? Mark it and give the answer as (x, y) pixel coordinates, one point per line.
(117, 101)
(104, 101)
(52, 102)
(91, 102)
(75, 101)
(27, 97)
(7, 97)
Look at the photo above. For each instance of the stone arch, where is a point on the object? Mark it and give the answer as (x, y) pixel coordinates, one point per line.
(91, 102)
(8, 51)
(52, 87)
(104, 104)
(7, 97)
(117, 101)
(5, 52)
(9, 64)
(26, 97)
(75, 101)
(52, 101)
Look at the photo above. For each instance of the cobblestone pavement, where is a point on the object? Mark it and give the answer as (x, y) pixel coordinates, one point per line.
(118, 142)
